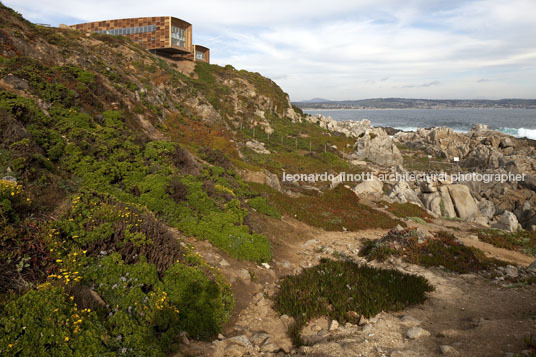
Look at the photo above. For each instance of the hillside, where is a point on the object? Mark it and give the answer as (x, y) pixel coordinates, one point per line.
(142, 213)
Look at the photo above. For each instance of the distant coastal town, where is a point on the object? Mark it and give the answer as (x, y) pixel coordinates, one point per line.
(405, 103)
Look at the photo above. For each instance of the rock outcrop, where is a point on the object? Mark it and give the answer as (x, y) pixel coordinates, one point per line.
(376, 146)
(508, 222)
(369, 187)
(464, 203)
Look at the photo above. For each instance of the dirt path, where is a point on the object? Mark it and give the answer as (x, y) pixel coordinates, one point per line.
(469, 314)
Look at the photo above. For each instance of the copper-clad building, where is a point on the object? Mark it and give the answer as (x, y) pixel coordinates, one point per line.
(162, 35)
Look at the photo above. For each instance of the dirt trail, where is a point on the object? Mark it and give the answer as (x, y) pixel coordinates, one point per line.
(469, 314)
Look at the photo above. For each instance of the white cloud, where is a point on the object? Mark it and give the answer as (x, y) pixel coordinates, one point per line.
(344, 49)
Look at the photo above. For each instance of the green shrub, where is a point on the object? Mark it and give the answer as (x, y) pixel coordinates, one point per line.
(443, 250)
(138, 315)
(261, 205)
(204, 304)
(46, 322)
(375, 250)
(334, 288)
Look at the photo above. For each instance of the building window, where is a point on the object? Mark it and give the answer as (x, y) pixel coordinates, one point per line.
(128, 30)
(178, 37)
(200, 55)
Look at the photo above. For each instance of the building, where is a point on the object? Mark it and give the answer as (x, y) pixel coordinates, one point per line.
(164, 35)
(202, 53)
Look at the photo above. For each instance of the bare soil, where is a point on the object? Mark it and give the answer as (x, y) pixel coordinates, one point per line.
(474, 315)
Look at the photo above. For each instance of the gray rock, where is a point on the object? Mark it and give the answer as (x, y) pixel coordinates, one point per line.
(532, 266)
(423, 235)
(334, 325)
(428, 187)
(432, 202)
(322, 333)
(234, 350)
(446, 205)
(224, 263)
(409, 320)
(241, 340)
(404, 353)
(259, 338)
(272, 181)
(398, 228)
(310, 243)
(483, 221)
(464, 204)
(487, 208)
(369, 187)
(269, 347)
(362, 320)
(508, 222)
(244, 275)
(257, 146)
(16, 82)
(403, 193)
(367, 328)
(511, 271)
(417, 332)
(448, 350)
(375, 145)
(450, 333)
(316, 328)
(9, 178)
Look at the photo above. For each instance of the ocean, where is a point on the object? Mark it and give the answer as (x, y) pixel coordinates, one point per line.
(516, 122)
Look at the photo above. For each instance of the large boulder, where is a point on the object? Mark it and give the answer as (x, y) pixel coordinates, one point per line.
(446, 204)
(263, 177)
(369, 187)
(487, 208)
(508, 222)
(375, 145)
(257, 146)
(464, 204)
(402, 192)
(432, 202)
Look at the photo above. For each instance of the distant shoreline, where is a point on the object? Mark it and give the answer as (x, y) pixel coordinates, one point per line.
(408, 103)
(414, 108)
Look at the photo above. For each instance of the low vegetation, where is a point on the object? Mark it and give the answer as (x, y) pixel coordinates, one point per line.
(441, 251)
(523, 241)
(337, 288)
(407, 210)
(334, 210)
(116, 282)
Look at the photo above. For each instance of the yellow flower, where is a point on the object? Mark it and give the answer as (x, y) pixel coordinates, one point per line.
(12, 193)
(66, 338)
(10, 345)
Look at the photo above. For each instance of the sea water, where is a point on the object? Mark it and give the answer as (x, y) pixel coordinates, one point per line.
(516, 122)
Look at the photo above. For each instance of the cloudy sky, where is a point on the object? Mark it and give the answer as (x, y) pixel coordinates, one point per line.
(349, 49)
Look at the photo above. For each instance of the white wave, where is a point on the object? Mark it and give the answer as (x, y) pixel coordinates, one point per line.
(406, 128)
(520, 132)
(414, 128)
(527, 133)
